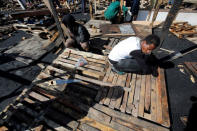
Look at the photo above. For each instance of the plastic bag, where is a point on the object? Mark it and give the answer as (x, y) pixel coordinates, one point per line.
(81, 62)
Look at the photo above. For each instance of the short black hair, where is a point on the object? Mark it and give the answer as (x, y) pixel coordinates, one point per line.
(152, 39)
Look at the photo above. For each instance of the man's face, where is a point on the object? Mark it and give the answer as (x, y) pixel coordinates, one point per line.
(147, 48)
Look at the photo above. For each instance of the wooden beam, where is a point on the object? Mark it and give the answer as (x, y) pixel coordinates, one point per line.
(170, 18)
(158, 3)
(51, 7)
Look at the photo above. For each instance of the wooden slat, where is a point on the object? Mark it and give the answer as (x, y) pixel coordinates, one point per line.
(153, 99)
(86, 127)
(165, 111)
(77, 56)
(159, 104)
(111, 90)
(131, 95)
(38, 97)
(114, 97)
(147, 94)
(121, 81)
(130, 125)
(107, 75)
(142, 96)
(73, 57)
(85, 66)
(95, 124)
(125, 98)
(86, 54)
(137, 96)
(85, 71)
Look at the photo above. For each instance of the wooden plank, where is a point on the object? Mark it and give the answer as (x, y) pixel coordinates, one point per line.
(111, 76)
(86, 127)
(137, 96)
(128, 118)
(153, 99)
(131, 94)
(43, 92)
(111, 90)
(191, 67)
(121, 81)
(126, 93)
(85, 71)
(147, 94)
(169, 19)
(142, 96)
(86, 54)
(107, 74)
(38, 97)
(165, 111)
(114, 97)
(77, 56)
(95, 124)
(119, 127)
(159, 98)
(129, 124)
(74, 57)
(51, 7)
(96, 68)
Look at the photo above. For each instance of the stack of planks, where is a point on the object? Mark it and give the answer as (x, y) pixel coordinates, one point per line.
(183, 29)
(100, 100)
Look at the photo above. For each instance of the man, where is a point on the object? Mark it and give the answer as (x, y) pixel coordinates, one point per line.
(135, 55)
(79, 34)
(134, 9)
(112, 11)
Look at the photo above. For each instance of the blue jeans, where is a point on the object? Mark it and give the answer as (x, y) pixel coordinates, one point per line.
(70, 1)
(135, 7)
(83, 6)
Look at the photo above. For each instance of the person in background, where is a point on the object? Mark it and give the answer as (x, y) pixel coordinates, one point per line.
(83, 6)
(56, 2)
(134, 9)
(79, 34)
(134, 55)
(112, 11)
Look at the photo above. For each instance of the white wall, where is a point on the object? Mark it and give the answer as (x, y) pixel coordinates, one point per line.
(182, 16)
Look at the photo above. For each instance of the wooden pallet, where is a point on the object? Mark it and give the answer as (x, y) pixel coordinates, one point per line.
(183, 29)
(65, 63)
(147, 98)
